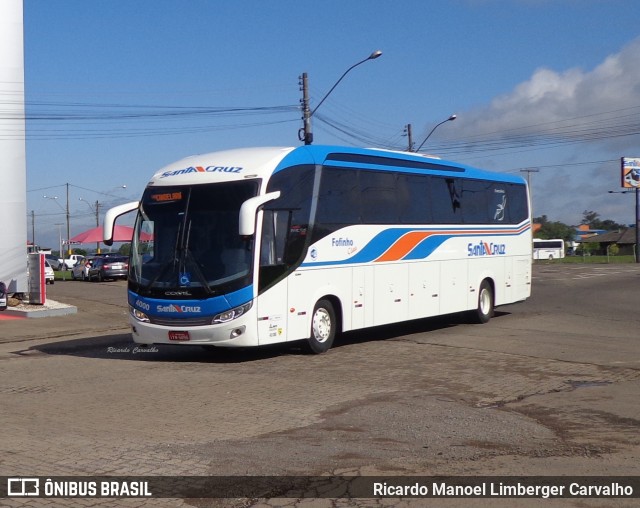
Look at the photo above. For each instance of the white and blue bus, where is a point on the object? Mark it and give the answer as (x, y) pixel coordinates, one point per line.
(267, 245)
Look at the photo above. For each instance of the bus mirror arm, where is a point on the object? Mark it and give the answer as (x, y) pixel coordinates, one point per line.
(110, 219)
(247, 222)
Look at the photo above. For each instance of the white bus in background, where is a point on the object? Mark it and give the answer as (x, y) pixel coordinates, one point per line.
(258, 246)
(548, 249)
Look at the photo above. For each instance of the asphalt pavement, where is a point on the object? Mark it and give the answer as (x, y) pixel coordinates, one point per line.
(72, 309)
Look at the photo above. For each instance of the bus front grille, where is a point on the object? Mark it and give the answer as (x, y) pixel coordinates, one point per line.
(180, 322)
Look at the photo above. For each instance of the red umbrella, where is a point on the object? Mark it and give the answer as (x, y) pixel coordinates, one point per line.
(120, 234)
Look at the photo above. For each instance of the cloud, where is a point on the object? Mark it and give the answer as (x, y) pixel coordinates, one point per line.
(572, 118)
(553, 107)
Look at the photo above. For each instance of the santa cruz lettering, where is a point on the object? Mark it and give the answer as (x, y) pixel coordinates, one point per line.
(486, 249)
(202, 169)
(178, 308)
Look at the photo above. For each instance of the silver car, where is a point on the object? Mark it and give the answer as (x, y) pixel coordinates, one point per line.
(80, 271)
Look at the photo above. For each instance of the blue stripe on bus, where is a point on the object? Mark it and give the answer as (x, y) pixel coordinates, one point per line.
(380, 243)
(207, 307)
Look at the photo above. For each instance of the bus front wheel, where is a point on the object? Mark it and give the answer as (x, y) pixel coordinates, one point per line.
(323, 327)
(484, 311)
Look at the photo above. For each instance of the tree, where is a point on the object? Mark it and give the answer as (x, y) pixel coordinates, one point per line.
(554, 229)
(592, 219)
(588, 248)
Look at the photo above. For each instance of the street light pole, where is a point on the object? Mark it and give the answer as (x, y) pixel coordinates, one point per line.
(63, 254)
(450, 119)
(97, 212)
(528, 171)
(68, 224)
(305, 134)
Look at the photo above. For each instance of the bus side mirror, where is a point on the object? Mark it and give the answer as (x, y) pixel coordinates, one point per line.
(110, 219)
(247, 223)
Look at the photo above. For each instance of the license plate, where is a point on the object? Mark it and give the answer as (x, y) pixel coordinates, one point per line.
(179, 336)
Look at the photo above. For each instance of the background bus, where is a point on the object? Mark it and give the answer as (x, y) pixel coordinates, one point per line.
(548, 249)
(266, 245)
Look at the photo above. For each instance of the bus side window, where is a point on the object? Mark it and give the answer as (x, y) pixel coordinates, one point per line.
(275, 226)
(517, 197)
(476, 210)
(446, 200)
(498, 202)
(378, 196)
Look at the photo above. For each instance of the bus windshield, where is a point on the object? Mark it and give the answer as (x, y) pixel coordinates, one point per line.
(186, 239)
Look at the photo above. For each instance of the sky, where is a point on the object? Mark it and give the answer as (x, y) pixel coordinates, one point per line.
(117, 89)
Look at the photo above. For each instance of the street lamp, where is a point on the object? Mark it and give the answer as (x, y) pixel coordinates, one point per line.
(60, 252)
(450, 119)
(305, 134)
(95, 210)
(637, 192)
(67, 214)
(66, 211)
(54, 198)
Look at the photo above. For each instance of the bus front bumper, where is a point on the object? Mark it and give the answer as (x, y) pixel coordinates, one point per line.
(237, 333)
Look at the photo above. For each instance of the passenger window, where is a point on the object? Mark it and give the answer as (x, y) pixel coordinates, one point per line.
(446, 200)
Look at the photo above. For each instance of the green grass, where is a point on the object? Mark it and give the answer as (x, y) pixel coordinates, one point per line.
(62, 275)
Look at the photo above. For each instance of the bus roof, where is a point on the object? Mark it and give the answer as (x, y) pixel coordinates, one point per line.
(261, 162)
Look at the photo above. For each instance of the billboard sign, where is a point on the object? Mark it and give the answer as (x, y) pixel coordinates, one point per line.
(630, 172)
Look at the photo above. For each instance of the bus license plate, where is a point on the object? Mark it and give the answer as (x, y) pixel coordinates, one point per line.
(179, 336)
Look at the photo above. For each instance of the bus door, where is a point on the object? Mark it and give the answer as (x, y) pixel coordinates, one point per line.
(273, 294)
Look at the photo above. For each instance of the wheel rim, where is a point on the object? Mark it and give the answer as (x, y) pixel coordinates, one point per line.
(485, 301)
(321, 325)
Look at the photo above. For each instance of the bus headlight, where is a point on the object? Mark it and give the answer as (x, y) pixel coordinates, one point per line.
(140, 316)
(231, 314)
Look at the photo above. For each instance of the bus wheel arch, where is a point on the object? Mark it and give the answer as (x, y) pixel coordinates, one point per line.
(326, 324)
(486, 302)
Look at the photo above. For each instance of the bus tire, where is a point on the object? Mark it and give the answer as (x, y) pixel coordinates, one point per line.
(323, 327)
(484, 311)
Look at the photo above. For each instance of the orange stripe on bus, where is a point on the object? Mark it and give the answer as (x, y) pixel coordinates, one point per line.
(408, 241)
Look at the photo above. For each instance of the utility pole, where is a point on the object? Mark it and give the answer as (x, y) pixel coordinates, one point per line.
(68, 224)
(305, 134)
(529, 171)
(97, 224)
(33, 229)
(410, 137)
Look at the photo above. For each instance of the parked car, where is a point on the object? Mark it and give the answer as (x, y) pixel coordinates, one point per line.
(112, 267)
(81, 269)
(69, 262)
(49, 276)
(53, 261)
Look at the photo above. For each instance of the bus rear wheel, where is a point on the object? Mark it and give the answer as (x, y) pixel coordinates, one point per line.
(484, 311)
(323, 327)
